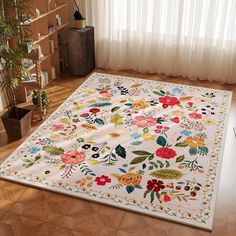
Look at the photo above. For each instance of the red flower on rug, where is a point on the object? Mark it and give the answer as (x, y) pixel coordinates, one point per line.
(166, 153)
(155, 185)
(144, 121)
(195, 115)
(58, 127)
(103, 180)
(168, 101)
(84, 115)
(73, 157)
(165, 198)
(94, 110)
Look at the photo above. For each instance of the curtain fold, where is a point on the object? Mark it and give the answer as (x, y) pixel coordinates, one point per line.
(191, 38)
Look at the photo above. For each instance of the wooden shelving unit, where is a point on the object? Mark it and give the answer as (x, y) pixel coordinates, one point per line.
(44, 14)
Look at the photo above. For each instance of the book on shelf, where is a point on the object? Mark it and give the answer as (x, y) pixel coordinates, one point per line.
(51, 46)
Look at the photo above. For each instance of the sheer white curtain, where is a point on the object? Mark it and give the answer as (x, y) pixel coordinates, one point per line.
(193, 38)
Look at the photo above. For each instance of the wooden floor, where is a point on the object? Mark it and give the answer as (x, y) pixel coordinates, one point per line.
(28, 211)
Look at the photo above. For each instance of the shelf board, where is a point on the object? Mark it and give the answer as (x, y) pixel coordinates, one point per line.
(49, 12)
(42, 37)
(62, 26)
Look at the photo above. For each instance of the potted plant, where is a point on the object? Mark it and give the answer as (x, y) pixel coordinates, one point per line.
(13, 42)
(80, 22)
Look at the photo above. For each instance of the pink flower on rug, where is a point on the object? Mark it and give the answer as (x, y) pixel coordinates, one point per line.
(166, 153)
(103, 180)
(168, 101)
(73, 157)
(143, 121)
(195, 115)
(58, 127)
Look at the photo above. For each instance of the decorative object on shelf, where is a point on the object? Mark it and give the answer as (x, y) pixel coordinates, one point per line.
(81, 54)
(39, 97)
(79, 20)
(145, 146)
(58, 20)
(14, 36)
(37, 12)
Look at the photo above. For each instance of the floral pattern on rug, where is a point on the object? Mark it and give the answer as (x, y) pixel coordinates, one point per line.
(141, 144)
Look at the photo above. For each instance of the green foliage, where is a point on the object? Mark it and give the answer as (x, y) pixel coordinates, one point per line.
(53, 150)
(167, 174)
(120, 151)
(14, 36)
(45, 100)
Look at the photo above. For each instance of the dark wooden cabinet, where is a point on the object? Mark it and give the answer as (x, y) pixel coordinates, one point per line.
(81, 55)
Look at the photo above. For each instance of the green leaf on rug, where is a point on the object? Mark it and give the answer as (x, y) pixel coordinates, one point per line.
(158, 93)
(179, 159)
(160, 120)
(138, 160)
(142, 153)
(53, 150)
(117, 119)
(193, 151)
(120, 151)
(99, 121)
(145, 130)
(161, 141)
(129, 189)
(203, 150)
(181, 144)
(37, 157)
(29, 165)
(64, 121)
(114, 109)
(138, 186)
(26, 160)
(100, 104)
(123, 170)
(152, 195)
(167, 174)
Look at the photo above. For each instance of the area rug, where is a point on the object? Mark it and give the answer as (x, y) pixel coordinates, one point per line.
(146, 146)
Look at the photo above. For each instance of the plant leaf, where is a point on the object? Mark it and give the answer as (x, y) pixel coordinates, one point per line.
(53, 150)
(192, 151)
(64, 121)
(152, 195)
(115, 109)
(123, 170)
(29, 165)
(26, 160)
(179, 159)
(129, 189)
(161, 141)
(181, 144)
(138, 160)
(138, 186)
(37, 157)
(117, 119)
(145, 130)
(99, 121)
(167, 174)
(101, 104)
(120, 151)
(158, 93)
(142, 153)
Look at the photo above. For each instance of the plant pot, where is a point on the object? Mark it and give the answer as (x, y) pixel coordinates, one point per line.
(17, 127)
(80, 24)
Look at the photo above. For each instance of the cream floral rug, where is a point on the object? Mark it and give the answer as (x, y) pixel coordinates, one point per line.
(145, 146)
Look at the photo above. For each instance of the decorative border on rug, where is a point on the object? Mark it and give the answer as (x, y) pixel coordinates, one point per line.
(204, 220)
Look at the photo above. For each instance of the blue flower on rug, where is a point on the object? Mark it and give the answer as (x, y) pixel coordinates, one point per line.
(34, 150)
